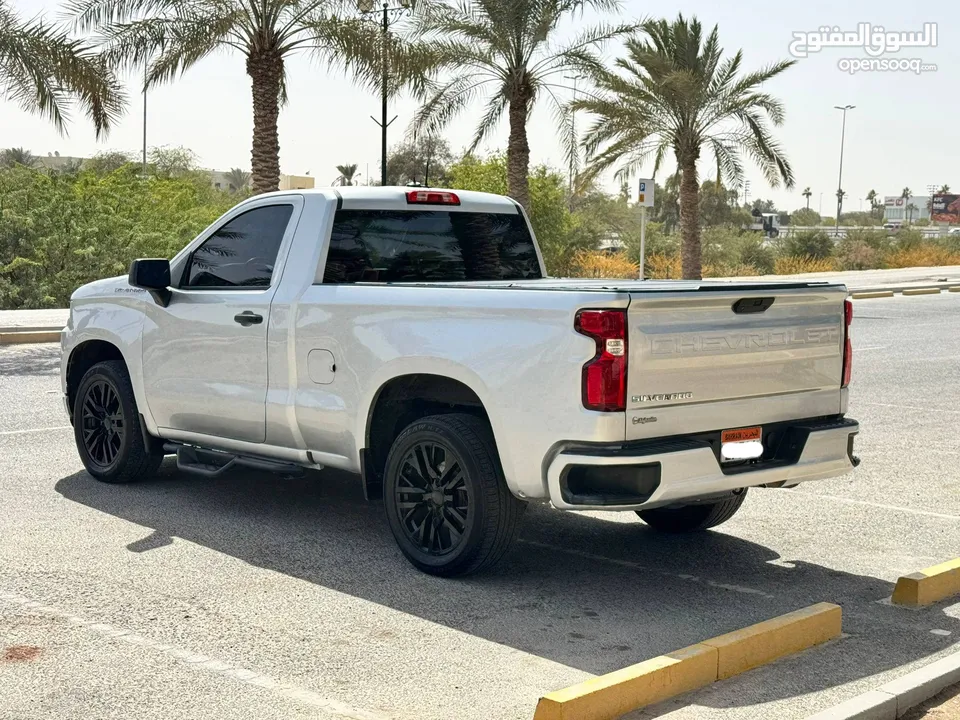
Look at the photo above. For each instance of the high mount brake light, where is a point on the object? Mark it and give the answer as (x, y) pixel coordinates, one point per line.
(432, 197)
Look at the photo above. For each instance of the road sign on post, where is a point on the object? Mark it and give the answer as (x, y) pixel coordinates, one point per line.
(646, 193)
(644, 200)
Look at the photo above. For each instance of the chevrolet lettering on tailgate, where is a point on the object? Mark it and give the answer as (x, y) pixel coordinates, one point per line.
(706, 343)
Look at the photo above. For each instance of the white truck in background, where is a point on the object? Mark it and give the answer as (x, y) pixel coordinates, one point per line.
(412, 336)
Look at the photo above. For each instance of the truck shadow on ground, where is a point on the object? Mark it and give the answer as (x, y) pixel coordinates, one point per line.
(590, 593)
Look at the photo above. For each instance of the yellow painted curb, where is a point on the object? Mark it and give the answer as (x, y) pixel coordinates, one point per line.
(928, 586)
(33, 336)
(765, 642)
(614, 694)
(955, 288)
(877, 294)
(921, 291)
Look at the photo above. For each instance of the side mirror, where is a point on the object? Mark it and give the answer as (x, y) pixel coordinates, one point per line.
(153, 275)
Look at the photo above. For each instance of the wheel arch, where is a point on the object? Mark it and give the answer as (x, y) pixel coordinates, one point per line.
(84, 356)
(401, 400)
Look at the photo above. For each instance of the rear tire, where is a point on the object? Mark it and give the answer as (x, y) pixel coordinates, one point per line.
(693, 518)
(106, 427)
(446, 499)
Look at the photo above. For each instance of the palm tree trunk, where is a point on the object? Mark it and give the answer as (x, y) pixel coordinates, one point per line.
(518, 150)
(265, 69)
(690, 219)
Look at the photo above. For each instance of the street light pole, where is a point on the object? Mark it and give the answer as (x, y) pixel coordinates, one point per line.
(574, 159)
(145, 119)
(843, 133)
(366, 7)
(383, 98)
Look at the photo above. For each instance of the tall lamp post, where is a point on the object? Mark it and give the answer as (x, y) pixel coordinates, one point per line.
(843, 132)
(368, 7)
(574, 155)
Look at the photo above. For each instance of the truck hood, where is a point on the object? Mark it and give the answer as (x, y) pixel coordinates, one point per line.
(107, 287)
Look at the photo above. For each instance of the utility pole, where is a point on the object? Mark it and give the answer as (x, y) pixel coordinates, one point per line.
(843, 132)
(146, 67)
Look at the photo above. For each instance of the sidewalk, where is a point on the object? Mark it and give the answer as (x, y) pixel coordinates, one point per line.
(14, 321)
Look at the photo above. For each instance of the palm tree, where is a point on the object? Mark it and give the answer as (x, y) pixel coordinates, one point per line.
(944, 189)
(678, 94)
(911, 208)
(807, 193)
(173, 35)
(12, 157)
(347, 173)
(906, 194)
(238, 179)
(42, 69)
(507, 52)
(872, 199)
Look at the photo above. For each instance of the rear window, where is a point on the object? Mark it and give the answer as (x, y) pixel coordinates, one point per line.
(431, 246)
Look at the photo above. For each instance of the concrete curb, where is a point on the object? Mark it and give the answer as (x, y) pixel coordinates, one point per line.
(29, 336)
(890, 701)
(922, 291)
(930, 288)
(928, 586)
(873, 294)
(609, 696)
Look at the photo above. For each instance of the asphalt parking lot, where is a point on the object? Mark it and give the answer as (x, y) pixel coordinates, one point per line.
(251, 596)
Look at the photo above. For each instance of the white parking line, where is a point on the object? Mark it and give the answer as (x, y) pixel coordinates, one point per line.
(203, 662)
(851, 501)
(36, 430)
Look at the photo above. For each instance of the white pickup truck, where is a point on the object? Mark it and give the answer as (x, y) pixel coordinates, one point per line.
(412, 336)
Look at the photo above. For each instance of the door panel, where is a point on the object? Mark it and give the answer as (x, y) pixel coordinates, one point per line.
(205, 354)
(203, 371)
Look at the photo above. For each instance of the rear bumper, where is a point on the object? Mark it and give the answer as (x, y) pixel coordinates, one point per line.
(641, 476)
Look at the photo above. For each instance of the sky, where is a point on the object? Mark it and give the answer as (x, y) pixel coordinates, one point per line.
(896, 136)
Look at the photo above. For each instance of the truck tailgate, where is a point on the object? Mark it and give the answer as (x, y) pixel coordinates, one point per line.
(720, 358)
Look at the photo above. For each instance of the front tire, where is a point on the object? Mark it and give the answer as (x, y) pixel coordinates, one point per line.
(693, 518)
(446, 499)
(106, 427)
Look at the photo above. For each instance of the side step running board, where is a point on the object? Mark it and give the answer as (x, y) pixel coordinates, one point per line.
(213, 463)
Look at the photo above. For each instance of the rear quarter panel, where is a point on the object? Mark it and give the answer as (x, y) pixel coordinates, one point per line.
(516, 349)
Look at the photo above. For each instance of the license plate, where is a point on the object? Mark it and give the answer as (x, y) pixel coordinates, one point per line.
(740, 444)
(741, 435)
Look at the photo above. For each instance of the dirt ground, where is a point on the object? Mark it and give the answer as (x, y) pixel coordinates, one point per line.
(945, 706)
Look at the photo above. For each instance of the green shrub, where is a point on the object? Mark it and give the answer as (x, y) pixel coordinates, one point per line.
(857, 254)
(726, 246)
(59, 231)
(808, 243)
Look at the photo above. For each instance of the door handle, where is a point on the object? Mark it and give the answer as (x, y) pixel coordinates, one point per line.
(248, 318)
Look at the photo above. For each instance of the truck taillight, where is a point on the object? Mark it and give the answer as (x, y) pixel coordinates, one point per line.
(604, 383)
(847, 345)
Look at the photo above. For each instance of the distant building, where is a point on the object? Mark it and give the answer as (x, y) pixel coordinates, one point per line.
(895, 208)
(221, 181)
(60, 162)
(297, 182)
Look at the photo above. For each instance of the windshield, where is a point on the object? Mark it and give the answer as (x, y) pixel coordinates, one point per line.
(429, 245)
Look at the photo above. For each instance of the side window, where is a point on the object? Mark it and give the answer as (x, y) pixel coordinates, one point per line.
(242, 252)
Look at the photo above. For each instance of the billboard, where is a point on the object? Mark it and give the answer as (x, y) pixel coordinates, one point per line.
(946, 208)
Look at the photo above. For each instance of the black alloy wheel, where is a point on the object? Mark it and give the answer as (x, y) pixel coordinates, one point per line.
(112, 444)
(445, 496)
(432, 498)
(102, 423)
